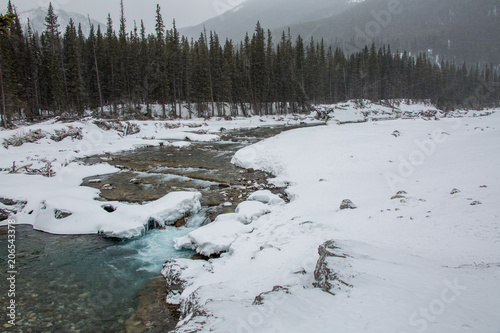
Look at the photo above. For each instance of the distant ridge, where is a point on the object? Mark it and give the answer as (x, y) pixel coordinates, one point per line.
(236, 22)
(37, 20)
(454, 30)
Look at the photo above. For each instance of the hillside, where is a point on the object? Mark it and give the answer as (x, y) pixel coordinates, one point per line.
(37, 19)
(235, 23)
(457, 30)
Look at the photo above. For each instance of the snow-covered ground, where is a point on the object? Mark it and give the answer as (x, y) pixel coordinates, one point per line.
(420, 253)
(59, 205)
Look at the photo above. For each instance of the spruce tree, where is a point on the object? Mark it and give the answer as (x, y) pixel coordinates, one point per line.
(54, 90)
(72, 61)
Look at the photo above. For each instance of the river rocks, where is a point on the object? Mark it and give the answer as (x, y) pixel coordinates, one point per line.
(153, 314)
(212, 213)
(331, 273)
(347, 204)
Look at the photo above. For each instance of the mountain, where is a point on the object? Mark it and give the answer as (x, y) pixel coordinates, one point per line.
(236, 22)
(455, 30)
(37, 19)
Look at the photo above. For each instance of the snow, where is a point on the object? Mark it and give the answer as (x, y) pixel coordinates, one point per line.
(63, 193)
(423, 260)
(213, 238)
(266, 197)
(88, 216)
(252, 210)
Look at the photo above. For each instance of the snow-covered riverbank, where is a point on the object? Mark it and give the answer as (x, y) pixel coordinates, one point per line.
(59, 205)
(420, 253)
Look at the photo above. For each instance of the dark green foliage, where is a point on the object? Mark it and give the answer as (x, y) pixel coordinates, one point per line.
(52, 74)
(5, 22)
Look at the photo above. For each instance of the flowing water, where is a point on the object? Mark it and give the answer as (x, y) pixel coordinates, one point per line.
(93, 284)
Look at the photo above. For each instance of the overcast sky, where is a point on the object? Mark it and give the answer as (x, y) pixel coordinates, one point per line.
(185, 12)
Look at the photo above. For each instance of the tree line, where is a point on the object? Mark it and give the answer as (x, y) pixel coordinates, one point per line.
(65, 73)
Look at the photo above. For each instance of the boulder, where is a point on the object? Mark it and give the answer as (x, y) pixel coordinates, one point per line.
(347, 204)
(331, 273)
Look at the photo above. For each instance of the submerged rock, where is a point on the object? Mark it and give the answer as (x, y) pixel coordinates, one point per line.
(153, 314)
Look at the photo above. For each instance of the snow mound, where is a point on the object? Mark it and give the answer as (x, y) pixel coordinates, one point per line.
(73, 215)
(252, 210)
(213, 238)
(186, 136)
(266, 197)
(218, 236)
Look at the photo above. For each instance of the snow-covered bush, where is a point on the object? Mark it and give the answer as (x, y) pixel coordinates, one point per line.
(19, 139)
(71, 132)
(123, 129)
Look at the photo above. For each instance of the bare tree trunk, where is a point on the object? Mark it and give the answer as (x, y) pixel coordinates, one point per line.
(4, 108)
(209, 73)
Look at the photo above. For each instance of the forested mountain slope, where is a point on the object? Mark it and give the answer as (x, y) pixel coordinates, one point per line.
(457, 30)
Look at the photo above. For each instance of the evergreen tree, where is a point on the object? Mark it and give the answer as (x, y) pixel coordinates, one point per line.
(72, 61)
(54, 91)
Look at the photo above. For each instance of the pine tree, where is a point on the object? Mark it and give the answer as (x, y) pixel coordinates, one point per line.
(160, 69)
(72, 61)
(54, 92)
(258, 68)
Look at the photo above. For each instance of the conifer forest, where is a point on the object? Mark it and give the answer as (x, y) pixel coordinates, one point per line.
(62, 72)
